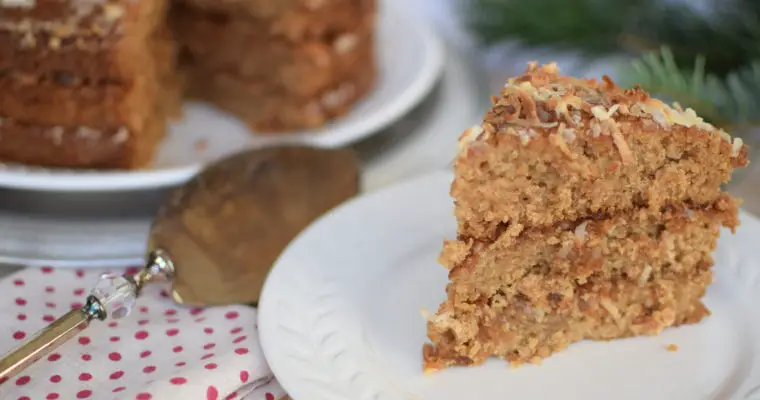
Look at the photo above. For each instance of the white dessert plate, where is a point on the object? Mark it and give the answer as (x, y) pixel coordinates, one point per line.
(410, 60)
(340, 318)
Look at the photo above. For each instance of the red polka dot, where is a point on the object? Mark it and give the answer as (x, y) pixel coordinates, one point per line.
(241, 350)
(177, 349)
(20, 301)
(149, 369)
(78, 292)
(3, 380)
(244, 376)
(163, 293)
(269, 396)
(86, 357)
(143, 309)
(142, 322)
(210, 366)
(172, 332)
(76, 305)
(113, 324)
(209, 346)
(23, 380)
(52, 396)
(46, 270)
(18, 282)
(119, 389)
(18, 335)
(114, 356)
(48, 318)
(237, 330)
(49, 289)
(116, 375)
(132, 270)
(23, 398)
(207, 356)
(231, 315)
(79, 273)
(180, 364)
(208, 330)
(84, 376)
(84, 394)
(196, 311)
(231, 396)
(141, 335)
(54, 357)
(239, 339)
(178, 381)
(21, 317)
(212, 393)
(170, 312)
(84, 340)
(145, 353)
(143, 396)
(55, 378)
(50, 304)
(114, 338)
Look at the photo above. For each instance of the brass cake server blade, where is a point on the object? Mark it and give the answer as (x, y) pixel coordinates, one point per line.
(216, 237)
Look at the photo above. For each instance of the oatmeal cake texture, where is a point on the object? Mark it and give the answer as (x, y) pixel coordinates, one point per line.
(279, 65)
(85, 83)
(584, 211)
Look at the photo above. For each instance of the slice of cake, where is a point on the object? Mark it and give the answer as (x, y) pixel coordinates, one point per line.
(278, 65)
(584, 211)
(85, 84)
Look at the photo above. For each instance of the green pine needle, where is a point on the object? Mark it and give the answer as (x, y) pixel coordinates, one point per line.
(732, 101)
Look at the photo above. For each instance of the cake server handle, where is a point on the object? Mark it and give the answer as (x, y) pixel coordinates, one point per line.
(48, 339)
(113, 297)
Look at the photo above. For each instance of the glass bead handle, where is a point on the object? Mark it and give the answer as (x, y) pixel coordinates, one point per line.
(112, 297)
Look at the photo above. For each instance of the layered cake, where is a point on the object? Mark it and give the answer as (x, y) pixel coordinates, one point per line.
(84, 83)
(93, 83)
(279, 65)
(584, 211)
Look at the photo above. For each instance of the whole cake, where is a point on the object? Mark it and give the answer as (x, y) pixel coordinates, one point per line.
(584, 211)
(93, 83)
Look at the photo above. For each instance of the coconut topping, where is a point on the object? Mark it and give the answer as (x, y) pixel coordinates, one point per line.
(82, 18)
(541, 102)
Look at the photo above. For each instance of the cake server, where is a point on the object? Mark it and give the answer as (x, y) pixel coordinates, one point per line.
(215, 238)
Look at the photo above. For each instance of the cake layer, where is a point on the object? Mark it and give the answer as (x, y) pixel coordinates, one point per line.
(638, 246)
(271, 107)
(517, 330)
(99, 40)
(220, 22)
(292, 18)
(80, 147)
(98, 106)
(555, 148)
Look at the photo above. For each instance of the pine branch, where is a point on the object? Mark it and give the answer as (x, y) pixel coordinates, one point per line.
(590, 25)
(731, 101)
(728, 37)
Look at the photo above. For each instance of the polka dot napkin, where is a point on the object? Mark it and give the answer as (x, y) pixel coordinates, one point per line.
(160, 351)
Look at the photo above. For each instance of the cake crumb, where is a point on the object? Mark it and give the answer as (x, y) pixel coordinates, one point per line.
(672, 347)
(201, 144)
